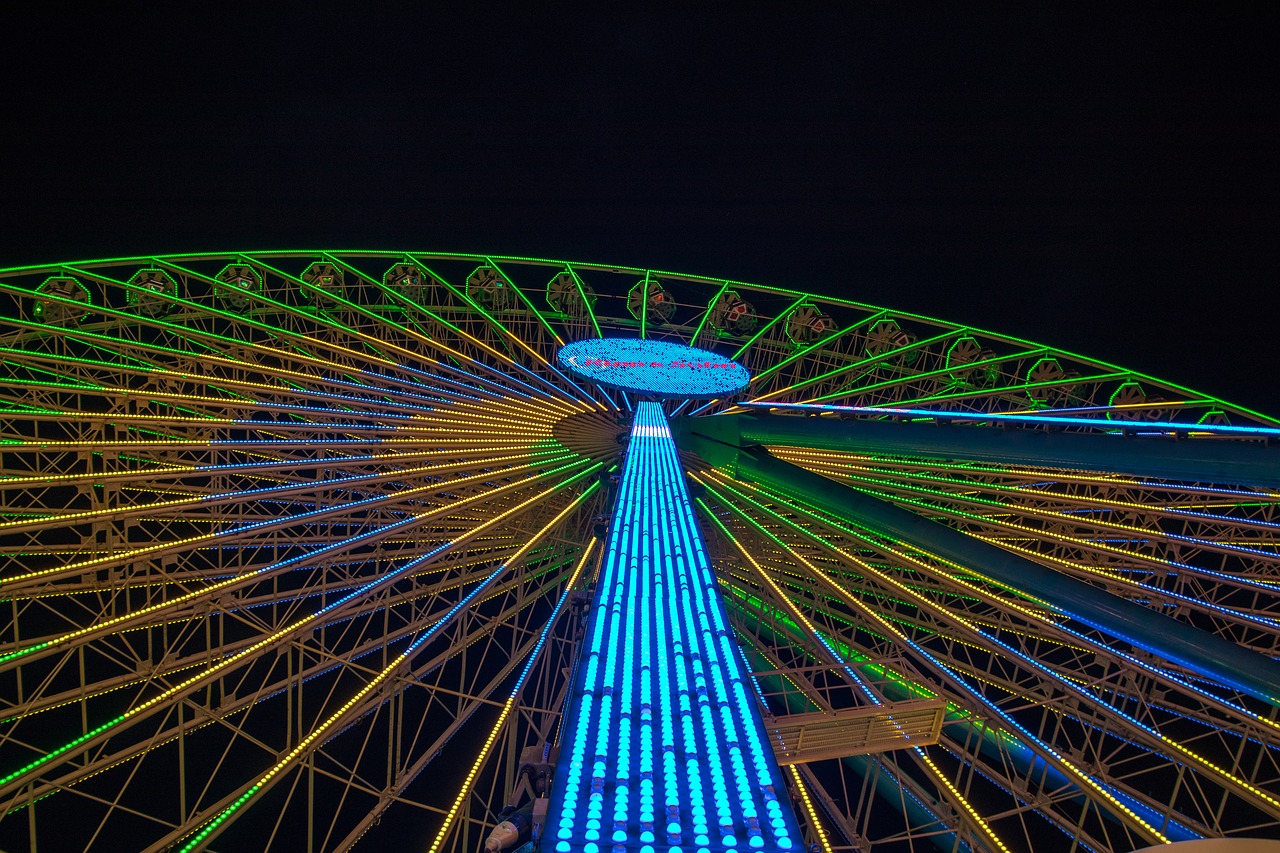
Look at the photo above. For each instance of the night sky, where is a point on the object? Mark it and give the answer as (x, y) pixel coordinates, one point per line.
(1096, 180)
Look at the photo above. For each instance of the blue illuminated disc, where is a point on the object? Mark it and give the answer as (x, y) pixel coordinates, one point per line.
(655, 368)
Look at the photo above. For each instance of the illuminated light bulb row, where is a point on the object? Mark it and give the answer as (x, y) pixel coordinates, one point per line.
(1066, 765)
(1054, 515)
(465, 790)
(230, 401)
(1100, 545)
(295, 519)
(223, 665)
(842, 462)
(491, 384)
(316, 618)
(1112, 709)
(1009, 740)
(663, 751)
(406, 655)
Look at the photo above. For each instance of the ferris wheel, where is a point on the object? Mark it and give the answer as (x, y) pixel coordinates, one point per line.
(299, 550)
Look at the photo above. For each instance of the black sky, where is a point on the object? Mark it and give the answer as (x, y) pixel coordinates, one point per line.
(1097, 180)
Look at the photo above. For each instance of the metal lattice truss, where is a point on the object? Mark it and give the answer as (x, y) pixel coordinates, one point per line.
(296, 550)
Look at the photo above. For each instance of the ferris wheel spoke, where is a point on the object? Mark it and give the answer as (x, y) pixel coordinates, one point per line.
(209, 827)
(1201, 515)
(296, 337)
(155, 703)
(1107, 552)
(474, 699)
(817, 583)
(920, 811)
(1047, 525)
(68, 644)
(1034, 800)
(1247, 462)
(923, 388)
(545, 353)
(1165, 637)
(521, 603)
(810, 636)
(802, 783)
(237, 382)
(559, 342)
(1171, 750)
(1229, 726)
(969, 816)
(532, 650)
(1102, 719)
(1100, 715)
(1105, 804)
(117, 357)
(283, 609)
(546, 347)
(874, 479)
(225, 494)
(320, 322)
(163, 383)
(862, 367)
(277, 471)
(510, 338)
(227, 710)
(1049, 489)
(740, 355)
(942, 791)
(961, 805)
(1049, 623)
(587, 300)
(337, 405)
(301, 343)
(419, 339)
(378, 527)
(858, 765)
(1109, 717)
(475, 702)
(539, 707)
(241, 430)
(460, 572)
(762, 390)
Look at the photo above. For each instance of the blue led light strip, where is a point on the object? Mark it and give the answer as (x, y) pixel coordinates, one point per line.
(664, 749)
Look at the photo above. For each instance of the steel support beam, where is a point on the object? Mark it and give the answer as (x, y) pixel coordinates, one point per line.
(1168, 638)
